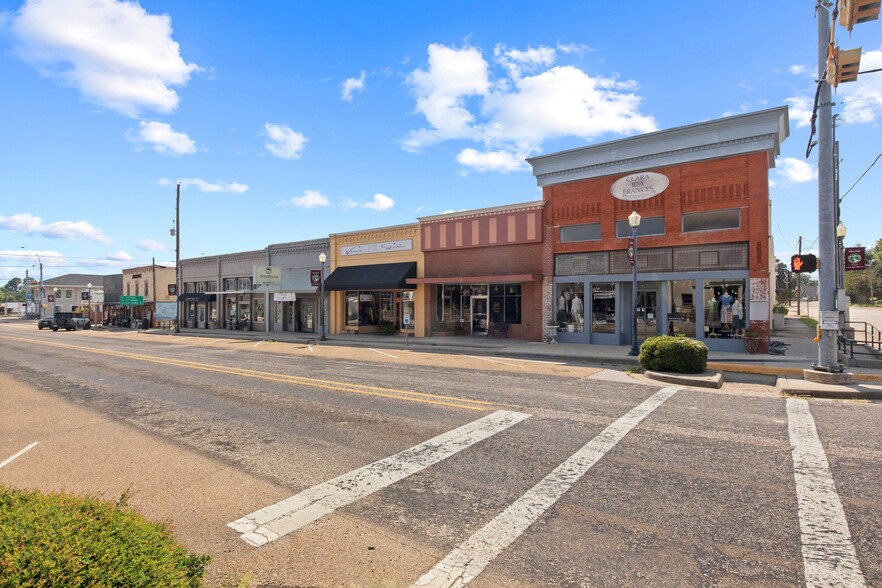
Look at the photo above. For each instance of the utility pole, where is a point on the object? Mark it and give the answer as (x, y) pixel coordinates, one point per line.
(827, 355)
(799, 285)
(178, 259)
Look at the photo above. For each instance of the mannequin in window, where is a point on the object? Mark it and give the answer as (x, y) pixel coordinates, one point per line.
(576, 309)
(726, 301)
(737, 314)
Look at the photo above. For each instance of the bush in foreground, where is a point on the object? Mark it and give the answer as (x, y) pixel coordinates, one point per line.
(673, 354)
(63, 540)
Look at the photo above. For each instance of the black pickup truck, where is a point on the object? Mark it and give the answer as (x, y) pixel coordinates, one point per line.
(70, 321)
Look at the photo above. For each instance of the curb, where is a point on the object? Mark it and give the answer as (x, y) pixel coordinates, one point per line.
(697, 380)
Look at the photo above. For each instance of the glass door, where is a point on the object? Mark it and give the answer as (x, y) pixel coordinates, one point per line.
(479, 315)
(647, 313)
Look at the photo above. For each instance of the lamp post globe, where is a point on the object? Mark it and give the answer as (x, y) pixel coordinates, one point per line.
(634, 222)
(322, 259)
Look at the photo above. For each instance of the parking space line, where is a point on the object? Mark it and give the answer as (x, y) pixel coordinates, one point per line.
(272, 522)
(382, 353)
(9, 460)
(828, 554)
(466, 562)
(494, 361)
(256, 344)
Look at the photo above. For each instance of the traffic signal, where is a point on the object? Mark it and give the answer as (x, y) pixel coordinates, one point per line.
(803, 264)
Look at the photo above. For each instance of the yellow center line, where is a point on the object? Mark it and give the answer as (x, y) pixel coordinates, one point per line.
(407, 395)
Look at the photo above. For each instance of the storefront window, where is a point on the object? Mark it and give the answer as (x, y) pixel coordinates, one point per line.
(259, 311)
(724, 316)
(352, 309)
(603, 308)
(570, 306)
(505, 303)
(681, 318)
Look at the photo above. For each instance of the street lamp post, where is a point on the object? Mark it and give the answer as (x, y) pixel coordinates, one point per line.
(634, 221)
(89, 301)
(322, 259)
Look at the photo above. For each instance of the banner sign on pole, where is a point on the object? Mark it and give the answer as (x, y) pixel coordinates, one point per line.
(855, 258)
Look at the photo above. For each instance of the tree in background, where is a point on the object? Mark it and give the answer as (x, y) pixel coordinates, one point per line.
(13, 291)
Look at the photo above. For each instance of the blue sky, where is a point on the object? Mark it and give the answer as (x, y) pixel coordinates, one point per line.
(291, 120)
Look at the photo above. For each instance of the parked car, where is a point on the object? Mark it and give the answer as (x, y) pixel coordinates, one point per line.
(70, 321)
(47, 322)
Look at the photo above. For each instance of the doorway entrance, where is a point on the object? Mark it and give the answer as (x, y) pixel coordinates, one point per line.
(479, 315)
(647, 314)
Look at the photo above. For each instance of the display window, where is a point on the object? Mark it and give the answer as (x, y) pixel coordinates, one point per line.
(724, 316)
(603, 308)
(681, 318)
(570, 313)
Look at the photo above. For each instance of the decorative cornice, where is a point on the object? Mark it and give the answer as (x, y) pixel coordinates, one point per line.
(482, 212)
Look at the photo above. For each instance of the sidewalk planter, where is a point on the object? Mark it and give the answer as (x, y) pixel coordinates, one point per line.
(778, 314)
(550, 333)
(751, 342)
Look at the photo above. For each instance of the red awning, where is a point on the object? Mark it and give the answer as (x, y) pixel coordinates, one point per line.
(503, 279)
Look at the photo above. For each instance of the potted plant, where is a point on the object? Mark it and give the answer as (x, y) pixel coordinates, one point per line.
(550, 331)
(751, 341)
(778, 314)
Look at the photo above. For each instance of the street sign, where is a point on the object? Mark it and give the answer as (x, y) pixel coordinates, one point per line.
(131, 300)
(855, 258)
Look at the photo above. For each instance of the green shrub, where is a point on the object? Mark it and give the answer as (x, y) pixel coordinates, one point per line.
(780, 309)
(63, 540)
(673, 354)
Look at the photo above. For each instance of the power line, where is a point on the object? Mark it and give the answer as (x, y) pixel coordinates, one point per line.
(860, 178)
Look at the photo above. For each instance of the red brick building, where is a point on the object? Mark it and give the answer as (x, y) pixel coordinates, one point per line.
(483, 271)
(705, 260)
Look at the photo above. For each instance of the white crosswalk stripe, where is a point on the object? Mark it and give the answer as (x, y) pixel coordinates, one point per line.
(467, 561)
(272, 522)
(828, 554)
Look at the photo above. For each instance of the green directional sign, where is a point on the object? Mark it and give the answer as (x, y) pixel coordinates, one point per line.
(131, 300)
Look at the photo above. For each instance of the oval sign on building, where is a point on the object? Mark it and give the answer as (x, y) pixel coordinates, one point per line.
(639, 186)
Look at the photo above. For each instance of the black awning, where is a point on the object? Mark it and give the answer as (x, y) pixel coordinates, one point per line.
(196, 297)
(381, 276)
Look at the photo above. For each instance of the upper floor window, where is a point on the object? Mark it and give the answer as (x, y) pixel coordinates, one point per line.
(68, 293)
(653, 225)
(229, 284)
(200, 287)
(190, 287)
(573, 233)
(146, 288)
(712, 220)
(244, 284)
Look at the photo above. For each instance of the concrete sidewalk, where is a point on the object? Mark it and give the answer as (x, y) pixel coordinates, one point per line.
(784, 371)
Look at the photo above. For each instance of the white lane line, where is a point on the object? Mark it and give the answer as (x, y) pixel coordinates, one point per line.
(382, 353)
(828, 553)
(272, 522)
(494, 361)
(256, 344)
(9, 460)
(311, 350)
(213, 341)
(466, 562)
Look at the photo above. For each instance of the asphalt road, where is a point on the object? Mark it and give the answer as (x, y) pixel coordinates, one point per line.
(554, 475)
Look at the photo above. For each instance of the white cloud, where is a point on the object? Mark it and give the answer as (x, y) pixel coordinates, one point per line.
(795, 171)
(800, 111)
(530, 103)
(502, 161)
(214, 187)
(310, 199)
(115, 53)
(516, 62)
(67, 230)
(151, 245)
(352, 85)
(163, 138)
(798, 70)
(119, 256)
(379, 202)
(284, 142)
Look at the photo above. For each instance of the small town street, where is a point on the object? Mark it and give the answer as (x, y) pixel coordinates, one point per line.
(317, 465)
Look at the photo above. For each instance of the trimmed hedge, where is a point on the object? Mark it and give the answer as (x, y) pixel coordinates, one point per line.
(63, 540)
(667, 353)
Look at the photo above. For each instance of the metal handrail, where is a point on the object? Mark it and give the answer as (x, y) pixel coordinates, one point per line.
(863, 334)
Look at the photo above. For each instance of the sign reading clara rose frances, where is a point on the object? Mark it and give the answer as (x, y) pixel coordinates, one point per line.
(639, 186)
